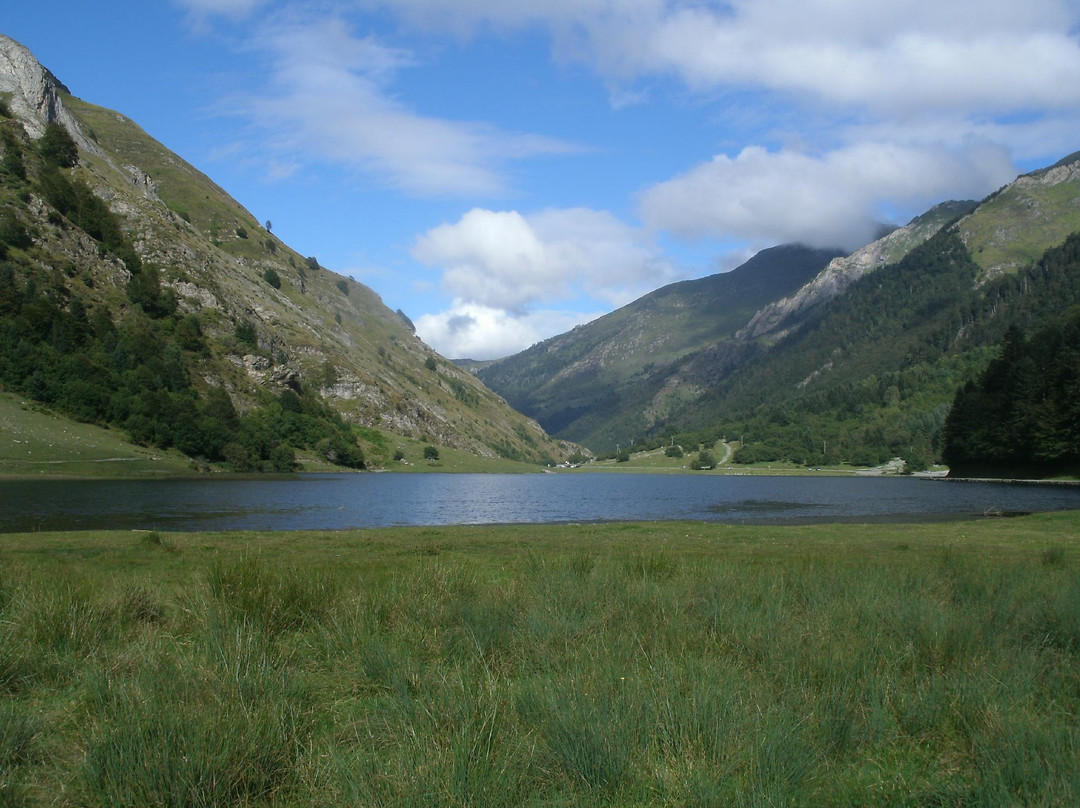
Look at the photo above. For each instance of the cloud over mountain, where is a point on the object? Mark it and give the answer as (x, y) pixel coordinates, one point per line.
(505, 270)
(831, 200)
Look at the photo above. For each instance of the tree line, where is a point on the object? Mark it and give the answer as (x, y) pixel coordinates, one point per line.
(1021, 417)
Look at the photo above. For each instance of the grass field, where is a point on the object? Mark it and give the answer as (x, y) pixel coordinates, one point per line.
(639, 664)
(35, 441)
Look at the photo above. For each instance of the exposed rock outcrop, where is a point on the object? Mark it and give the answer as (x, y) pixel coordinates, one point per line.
(34, 95)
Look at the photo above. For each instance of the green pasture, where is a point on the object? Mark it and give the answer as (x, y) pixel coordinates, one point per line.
(680, 664)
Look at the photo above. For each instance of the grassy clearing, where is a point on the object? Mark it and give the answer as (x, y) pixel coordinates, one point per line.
(35, 441)
(639, 664)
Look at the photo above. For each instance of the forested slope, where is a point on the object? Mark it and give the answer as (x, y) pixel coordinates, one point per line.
(873, 375)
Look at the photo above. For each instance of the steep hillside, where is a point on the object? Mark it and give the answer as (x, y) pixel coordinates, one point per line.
(170, 252)
(779, 317)
(614, 369)
(871, 374)
(861, 362)
(1017, 224)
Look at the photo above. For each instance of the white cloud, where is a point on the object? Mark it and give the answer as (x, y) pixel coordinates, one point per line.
(328, 100)
(504, 260)
(975, 55)
(474, 331)
(915, 54)
(505, 270)
(828, 200)
(896, 105)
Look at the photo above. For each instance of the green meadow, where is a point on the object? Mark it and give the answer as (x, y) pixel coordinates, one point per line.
(679, 664)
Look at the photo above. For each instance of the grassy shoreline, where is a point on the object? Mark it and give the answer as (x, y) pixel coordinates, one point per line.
(614, 664)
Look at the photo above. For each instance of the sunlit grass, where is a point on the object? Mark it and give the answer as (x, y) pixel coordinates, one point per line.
(638, 664)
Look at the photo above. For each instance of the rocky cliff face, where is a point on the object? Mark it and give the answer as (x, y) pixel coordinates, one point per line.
(310, 326)
(34, 95)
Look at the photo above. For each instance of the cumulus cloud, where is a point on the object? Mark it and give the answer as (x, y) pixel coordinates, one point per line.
(829, 200)
(474, 331)
(506, 270)
(508, 261)
(329, 99)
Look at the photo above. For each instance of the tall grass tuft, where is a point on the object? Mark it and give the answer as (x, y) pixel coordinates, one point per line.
(154, 540)
(228, 734)
(138, 605)
(20, 733)
(587, 736)
(1053, 557)
(249, 590)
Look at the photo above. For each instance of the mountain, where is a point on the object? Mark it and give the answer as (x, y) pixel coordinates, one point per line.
(1015, 226)
(114, 247)
(861, 362)
(779, 317)
(610, 374)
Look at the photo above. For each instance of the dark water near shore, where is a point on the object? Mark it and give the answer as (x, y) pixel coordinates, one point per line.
(338, 501)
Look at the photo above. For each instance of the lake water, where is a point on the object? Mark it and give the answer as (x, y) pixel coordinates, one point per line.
(338, 501)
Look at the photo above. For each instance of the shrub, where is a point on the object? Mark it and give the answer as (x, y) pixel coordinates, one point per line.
(704, 460)
(339, 451)
(144, 288)
(245, 333)
(431, 453)
(12, 231)
(13, 162)
(343, 286)
(57, 148)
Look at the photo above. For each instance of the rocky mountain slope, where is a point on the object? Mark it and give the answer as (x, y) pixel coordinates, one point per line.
(271, 320)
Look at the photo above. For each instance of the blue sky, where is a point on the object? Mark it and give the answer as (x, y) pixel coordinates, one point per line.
(502, 170)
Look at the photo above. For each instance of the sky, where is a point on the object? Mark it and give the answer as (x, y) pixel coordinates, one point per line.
(504, 170)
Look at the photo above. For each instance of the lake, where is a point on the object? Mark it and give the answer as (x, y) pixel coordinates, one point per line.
(340, 501)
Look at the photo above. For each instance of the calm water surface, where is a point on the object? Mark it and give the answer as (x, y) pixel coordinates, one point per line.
(337, 501)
